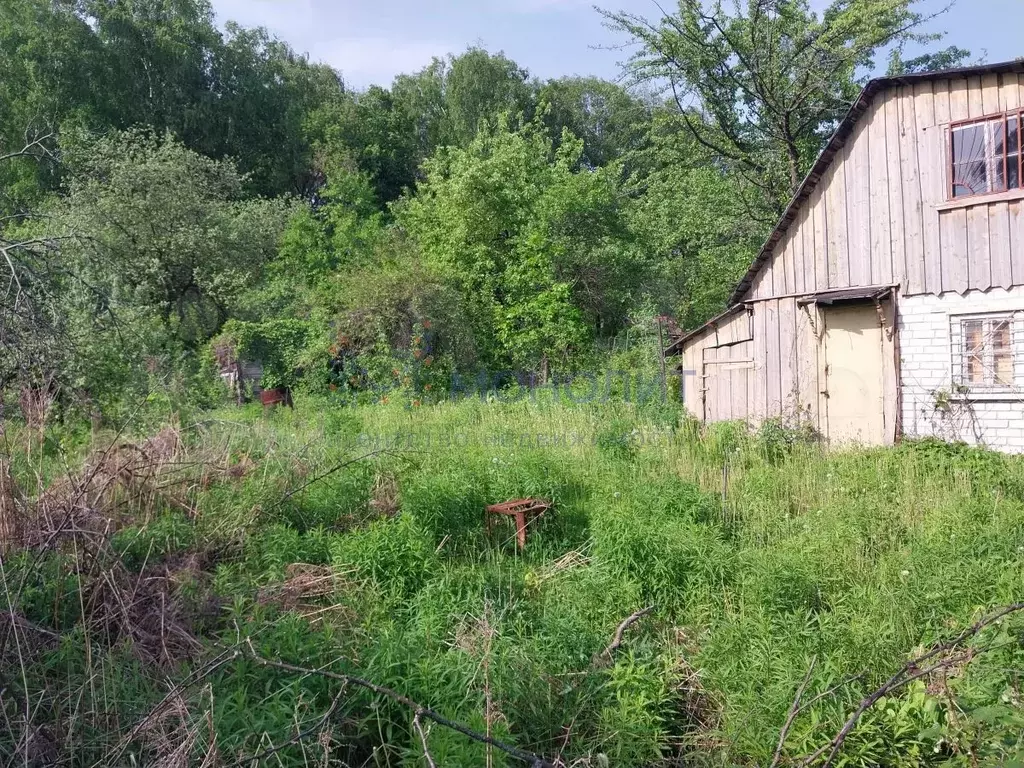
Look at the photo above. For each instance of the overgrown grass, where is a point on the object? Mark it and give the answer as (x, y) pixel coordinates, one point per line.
(761, 553)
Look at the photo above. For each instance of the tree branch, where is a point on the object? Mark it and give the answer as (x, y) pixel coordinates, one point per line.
(908, 673)
(535, 761)
(616, 642)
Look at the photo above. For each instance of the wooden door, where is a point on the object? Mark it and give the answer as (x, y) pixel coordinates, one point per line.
(859, 375)
(727, 378)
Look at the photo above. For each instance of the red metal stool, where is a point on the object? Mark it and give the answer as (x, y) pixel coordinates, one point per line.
(523, 510)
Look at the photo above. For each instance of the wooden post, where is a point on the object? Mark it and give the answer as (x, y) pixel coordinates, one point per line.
(661, 357)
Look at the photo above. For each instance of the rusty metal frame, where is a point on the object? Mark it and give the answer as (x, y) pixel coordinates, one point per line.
(951, 160)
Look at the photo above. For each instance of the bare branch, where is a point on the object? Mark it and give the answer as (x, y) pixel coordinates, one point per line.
(535, 761)
(616, 642)
(34, 148)
(298, 737)
(417, 723)
(909, 672)
(794, 710)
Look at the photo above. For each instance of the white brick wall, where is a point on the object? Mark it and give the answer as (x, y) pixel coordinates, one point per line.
(930, 406)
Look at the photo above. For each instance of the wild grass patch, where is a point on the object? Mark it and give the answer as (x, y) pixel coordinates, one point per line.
(760, 556)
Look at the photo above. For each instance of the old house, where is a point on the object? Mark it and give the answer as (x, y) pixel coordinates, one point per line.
(889, 300)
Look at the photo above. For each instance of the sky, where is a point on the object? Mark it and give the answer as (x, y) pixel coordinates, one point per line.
(371, 41)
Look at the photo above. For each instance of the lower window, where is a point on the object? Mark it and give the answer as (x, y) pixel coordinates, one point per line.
(984, 349)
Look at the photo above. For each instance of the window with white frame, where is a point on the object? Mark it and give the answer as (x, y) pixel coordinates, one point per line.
(985, 351)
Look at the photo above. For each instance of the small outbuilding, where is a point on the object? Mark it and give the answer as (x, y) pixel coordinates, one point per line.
(889, 299)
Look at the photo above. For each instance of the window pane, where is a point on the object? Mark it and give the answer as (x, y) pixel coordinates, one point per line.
(974, 349)
(1002, 353)
(979, 158)
(970, 179)
(968, 143)
(1013, 153)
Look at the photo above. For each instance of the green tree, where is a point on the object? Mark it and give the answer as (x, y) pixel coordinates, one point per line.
(121, 64)
(610, 121)
(689, 223)
(375, 131)
(529, 237)
(763, 87)
(448, 99)
(156, 226)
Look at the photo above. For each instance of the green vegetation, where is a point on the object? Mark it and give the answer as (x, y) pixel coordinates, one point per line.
(190, 583)
(242, 532)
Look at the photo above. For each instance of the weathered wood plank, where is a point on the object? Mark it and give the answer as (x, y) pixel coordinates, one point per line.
(880, 210)
(858, 204)
(806, 247)
(913, 251)
(807, 370)
(959, 108)
(760, 377)
(789, 394)
(990, 95)
(774, 358)
(711, 381)
(953, 232)
(819, 235)
(770, 286)
(1009, 93)
(822, 343)
(894, 152)
(761, 285)
(890, 377)
(1016, 214)
(835, 213)
(784, 261)
(749, 407)
(693, 364)
(999, 244)
(942, 119)
(800, 279)
(934, 191)
(738, 384)
(979, 260)
(975, 105)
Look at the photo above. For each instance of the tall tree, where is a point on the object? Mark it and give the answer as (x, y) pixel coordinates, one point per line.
(762, 86)
(531, 239)
(374, 130)
(156, 226)
(448, 99)
(604, 115)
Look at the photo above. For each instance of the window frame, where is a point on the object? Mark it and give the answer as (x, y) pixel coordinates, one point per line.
(1005, 117)
(962, 386)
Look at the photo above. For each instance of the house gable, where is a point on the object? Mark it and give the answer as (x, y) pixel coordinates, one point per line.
(875, 211)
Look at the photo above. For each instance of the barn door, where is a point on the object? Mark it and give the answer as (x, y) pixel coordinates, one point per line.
(860, 392)
(728, 381)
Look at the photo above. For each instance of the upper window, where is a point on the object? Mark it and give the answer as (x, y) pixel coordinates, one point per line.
(983, 353)
(985, 156)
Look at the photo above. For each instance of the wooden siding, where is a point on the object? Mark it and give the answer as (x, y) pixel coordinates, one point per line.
(760, 364)
(720, 347)
(779, 373)
(880, 213)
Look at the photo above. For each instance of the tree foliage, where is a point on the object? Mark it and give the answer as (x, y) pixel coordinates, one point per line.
(530, 238)
(161, 175)
(763, 86)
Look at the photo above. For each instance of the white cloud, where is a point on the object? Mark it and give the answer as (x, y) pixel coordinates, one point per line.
(367, 61)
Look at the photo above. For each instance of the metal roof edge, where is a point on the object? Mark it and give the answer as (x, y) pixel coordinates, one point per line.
(677, 345)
